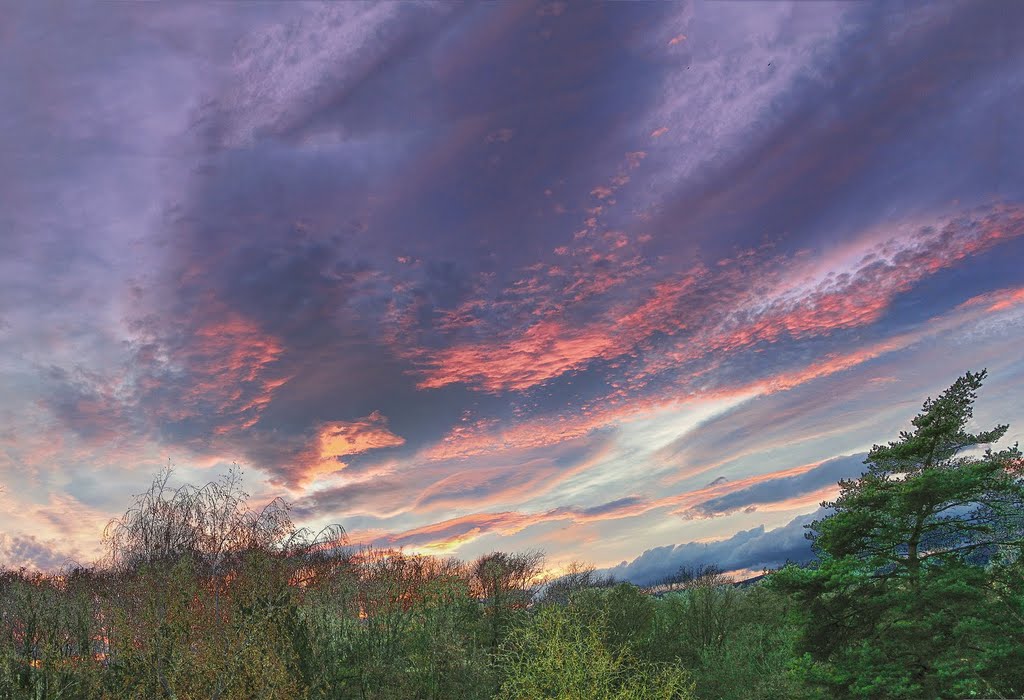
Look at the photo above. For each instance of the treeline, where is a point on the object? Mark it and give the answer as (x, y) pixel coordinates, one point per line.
(918, 592)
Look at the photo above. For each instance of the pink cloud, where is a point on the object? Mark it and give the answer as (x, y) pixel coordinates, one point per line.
(448, 535)
(500, 136)
(228, 361)
(738, 304)
(544, 351)
(1000, 300)
(488, 436)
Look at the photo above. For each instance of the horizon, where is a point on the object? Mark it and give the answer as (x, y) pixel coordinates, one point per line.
(634, 284)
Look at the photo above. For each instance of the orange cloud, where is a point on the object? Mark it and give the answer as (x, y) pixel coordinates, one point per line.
(804, 502)
(509, 482)
(487, 436)
(340, 439)
(449, 534)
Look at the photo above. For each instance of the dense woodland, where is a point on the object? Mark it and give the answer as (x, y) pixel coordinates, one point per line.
(917, 592)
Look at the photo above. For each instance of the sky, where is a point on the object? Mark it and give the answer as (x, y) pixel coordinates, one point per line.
(632, 283)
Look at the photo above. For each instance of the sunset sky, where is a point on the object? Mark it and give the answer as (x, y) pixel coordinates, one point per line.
(630, 281)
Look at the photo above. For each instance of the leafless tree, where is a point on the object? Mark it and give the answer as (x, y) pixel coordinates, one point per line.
(211, 523)
(213, 530)
(578, 577)
(505, 583)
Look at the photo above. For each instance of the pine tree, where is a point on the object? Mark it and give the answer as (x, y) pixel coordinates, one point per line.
(903, 601)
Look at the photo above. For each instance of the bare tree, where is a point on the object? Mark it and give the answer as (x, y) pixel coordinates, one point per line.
(505, 583)
(700, 576)
(578, 577)
(211, 523)
(212, 532)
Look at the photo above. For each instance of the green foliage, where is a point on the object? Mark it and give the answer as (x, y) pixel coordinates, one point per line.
(626, 615)
(47, 628)
(736, 642)
(560, 654)
(698, 617)
(903, 602)
(754, 658)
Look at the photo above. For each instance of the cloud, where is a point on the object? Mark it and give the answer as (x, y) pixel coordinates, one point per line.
(376, 494)
(17, 551)
(222, 367)
(756, 548)
(450, 534)
(1000, 300)
(281, 72)
(441, 485)
(827, 474)
(428, 243)
(485, 436)
(341, 439)
(65, 529)
(738, 304)
(455, 532)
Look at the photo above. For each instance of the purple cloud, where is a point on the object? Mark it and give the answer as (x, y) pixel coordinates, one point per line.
(499, 274)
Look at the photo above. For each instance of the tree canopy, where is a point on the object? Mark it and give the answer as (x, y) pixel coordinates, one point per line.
(905, 600)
